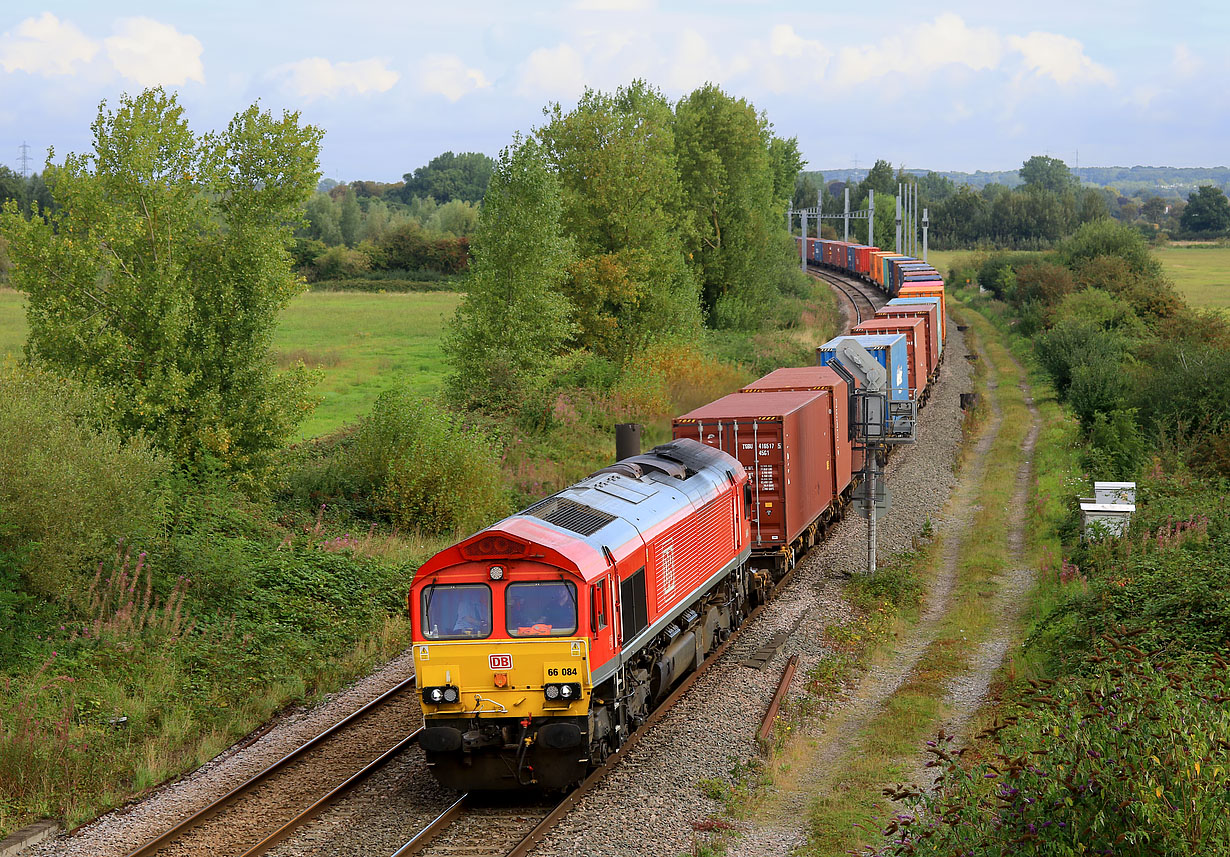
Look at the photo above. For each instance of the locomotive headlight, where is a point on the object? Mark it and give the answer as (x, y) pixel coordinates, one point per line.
(496, 572)
(443, 695)
(566, 691)
(551, 691)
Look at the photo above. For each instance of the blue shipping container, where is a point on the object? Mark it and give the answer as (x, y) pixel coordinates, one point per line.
(889, 351)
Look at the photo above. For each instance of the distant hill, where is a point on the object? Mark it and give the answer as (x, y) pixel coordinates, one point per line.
(1163, 181)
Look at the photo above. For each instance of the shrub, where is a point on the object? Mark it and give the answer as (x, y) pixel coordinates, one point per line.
(1074, 343)
(70, 485)
(1130, 761)
(340, 262)
(424, 468)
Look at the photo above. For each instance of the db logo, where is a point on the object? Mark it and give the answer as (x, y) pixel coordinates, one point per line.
(500, 662)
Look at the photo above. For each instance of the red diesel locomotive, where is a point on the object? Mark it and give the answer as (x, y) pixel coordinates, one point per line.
(542, 641)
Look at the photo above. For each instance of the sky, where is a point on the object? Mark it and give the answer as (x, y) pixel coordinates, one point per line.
(948, 86)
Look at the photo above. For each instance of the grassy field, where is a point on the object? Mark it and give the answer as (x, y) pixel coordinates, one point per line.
(364, 344)
(12, 323)
(1201, 272)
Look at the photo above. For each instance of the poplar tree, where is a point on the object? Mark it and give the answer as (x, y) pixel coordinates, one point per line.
(160, 274)
(513, 320)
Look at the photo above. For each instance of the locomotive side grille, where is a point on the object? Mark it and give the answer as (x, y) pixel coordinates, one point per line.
(570, 515)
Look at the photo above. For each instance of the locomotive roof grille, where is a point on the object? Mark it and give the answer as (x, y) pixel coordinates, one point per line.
(570, 515)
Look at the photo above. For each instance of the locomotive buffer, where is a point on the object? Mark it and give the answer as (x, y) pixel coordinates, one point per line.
(876, 423)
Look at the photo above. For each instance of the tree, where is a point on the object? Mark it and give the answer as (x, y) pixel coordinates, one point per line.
(731, 169)
(450, 176)
(1047, 173)
(1207, 212)
(349, 218)
(161, 275)
(513, 320)
(12, 186)
(615, 156)
(880, 178)
(1153, 209)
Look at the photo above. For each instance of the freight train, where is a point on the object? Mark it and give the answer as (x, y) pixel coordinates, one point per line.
(543, 641)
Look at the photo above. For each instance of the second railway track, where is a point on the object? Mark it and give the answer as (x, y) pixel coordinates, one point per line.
(260, 812)
(863, 304)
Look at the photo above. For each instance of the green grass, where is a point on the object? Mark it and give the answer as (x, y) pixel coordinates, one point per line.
(12, 323)
(1200, 271)
(364, 344)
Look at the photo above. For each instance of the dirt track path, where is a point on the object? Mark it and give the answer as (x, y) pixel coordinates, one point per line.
(783, 816)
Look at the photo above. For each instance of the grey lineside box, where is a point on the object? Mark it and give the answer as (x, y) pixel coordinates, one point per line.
(1109, 510)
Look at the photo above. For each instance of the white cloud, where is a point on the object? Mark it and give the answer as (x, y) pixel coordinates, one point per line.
(693, 63)
(1184, 63)
(45, 45)
(317, 77)
(447, 75)
(556, 72)
(612, 5)
(1060, 58)
(946, 41)
(153, 54)
(1143, 96)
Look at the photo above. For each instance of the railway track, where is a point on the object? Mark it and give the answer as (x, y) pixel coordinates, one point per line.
(515, 831)
(863, 304)
(265, 809)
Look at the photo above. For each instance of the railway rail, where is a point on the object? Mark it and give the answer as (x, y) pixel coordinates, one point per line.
(265, 809)
(863, 305)
(501, 836)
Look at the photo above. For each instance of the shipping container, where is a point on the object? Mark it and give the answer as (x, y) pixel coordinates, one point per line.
(781, 438)
(917, 346)
(862, 258)
(889, 350)
(928, 312)
(932, 289)
(803, 378)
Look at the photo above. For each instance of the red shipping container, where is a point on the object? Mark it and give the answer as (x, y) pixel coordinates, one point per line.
(862, 258)
(929, 313)
(934, 289)
(783, 440)
(802, 378)
(916, 346)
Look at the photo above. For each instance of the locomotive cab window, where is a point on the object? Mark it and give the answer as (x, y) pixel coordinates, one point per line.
(457, 611)
(597, 604)
(546, 608)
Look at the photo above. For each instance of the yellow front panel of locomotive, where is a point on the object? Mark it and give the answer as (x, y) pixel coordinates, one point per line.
(523, 668)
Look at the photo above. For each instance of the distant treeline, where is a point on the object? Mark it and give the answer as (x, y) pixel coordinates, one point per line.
(1045, 203)
(1173, 182)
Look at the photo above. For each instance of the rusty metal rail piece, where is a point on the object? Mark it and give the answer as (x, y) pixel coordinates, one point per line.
(784, 685)
(204, 814)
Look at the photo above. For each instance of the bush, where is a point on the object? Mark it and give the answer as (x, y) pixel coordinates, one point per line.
(340, 262)
(1116, 446)
(70, 485)
(1130, 761)
(1074, 343)
(424, 468)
